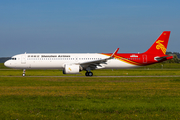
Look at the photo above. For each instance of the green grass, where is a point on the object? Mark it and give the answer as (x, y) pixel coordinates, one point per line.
(130, 72)
(89, 98)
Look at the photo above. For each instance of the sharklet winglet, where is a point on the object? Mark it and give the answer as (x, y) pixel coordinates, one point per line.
(115, 52)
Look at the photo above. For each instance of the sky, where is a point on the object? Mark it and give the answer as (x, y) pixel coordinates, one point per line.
(86, 26)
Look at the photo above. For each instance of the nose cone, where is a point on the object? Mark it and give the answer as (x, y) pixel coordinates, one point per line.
(7, 64)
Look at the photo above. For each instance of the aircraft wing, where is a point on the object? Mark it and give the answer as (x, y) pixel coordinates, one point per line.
(91, 65)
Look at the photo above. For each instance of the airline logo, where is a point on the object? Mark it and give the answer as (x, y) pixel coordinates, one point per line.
(133, 56)
(161, 46)
(69, 68)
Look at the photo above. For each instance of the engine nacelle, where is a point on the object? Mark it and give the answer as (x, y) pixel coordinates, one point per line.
(71, 69)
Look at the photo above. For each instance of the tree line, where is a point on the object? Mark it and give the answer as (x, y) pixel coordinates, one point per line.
(3, 59)
(176, 57)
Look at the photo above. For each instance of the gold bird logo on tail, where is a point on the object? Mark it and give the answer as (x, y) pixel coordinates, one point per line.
(160, 46)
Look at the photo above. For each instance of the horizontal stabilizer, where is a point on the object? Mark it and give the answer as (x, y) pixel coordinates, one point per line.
(164, 57)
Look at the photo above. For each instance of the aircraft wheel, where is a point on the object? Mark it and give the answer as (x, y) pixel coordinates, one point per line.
(87, 73)
(90, 74)
(23, 74)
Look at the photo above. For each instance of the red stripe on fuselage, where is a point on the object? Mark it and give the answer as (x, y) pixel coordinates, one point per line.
(128, 58)
(134, 59)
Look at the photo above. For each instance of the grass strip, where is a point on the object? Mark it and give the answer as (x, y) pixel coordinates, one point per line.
(89, 98)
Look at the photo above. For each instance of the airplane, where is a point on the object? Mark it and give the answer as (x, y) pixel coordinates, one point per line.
(73, 63)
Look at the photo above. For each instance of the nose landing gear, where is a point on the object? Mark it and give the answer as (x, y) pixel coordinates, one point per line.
(24, 73)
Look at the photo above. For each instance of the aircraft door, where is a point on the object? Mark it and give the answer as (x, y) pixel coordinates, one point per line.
(144, 58)
(23, 59)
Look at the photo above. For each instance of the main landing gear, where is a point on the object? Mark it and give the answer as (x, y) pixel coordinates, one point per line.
(89, 73)
(24, 73)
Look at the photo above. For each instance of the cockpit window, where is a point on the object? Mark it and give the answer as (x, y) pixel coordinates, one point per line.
(13, 58)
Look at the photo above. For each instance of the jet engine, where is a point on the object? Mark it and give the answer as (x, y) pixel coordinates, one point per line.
(71, 69)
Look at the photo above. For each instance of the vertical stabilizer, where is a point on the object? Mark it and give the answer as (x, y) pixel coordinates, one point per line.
(160, 45)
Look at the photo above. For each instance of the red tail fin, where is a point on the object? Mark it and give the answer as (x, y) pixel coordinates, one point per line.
(160, 45)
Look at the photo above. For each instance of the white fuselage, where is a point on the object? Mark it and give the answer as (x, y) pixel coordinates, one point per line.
(57, 61)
